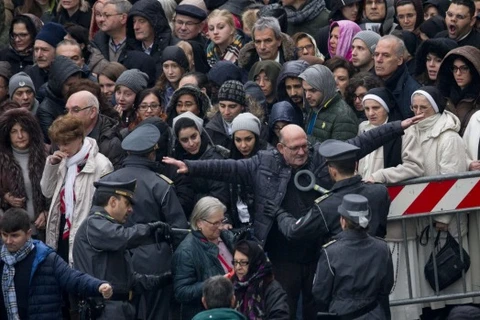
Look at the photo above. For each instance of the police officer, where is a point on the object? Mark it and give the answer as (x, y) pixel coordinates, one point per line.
(101, 243)
(322, 219)
(355, 271)
(154, 200)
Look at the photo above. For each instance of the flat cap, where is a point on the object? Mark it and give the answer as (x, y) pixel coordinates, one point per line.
(354, 207)
(141, 140)
(336, 150)
(126, 189)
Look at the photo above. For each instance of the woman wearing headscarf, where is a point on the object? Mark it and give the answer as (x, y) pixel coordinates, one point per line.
(429, 57)
(22, 158)
(409, 14)
(458, 79)
(205, 252)
(341, 37)
(306, 48)
(347, 10)
(265, 74)
(438, 133)
(258, 295)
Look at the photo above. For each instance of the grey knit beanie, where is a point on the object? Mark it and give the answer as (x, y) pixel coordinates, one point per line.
(246, 121)
(133, 79)
(232, 90)
(189, 115)
(20, 80)
(322, 79)
(369, 37)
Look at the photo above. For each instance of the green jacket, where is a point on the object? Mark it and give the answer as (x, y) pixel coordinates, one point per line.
(334, 120)
(220, 314)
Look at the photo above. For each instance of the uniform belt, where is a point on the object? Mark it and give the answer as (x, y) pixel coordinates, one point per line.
(122, 296)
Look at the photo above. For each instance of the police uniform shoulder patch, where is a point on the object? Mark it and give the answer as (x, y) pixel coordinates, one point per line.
(165, 178)
(325, 196)
(329, 243)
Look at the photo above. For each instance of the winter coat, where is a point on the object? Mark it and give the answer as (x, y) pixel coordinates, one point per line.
(216, 130)
(269, 175)
(473, 38)
(471, 137)
(334, 120)
(17, 62)
(248, 55)
(39, 78)
(52, 182)
(461, 102)
(101, 41)
(53, 105)
(220, 314)
(49, 279)
(152, 11)
(342, 287)
(82, 18)
(386, 26)
(376, 165)
(108, 139)
(194, 261)
(402, 86)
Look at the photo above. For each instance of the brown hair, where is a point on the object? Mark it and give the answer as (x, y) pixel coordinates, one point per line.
(65, 129)
(112, 71)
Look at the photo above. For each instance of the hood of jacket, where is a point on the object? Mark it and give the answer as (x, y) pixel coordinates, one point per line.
(445, 78)
(202, 99)
(281, 111)
(336, 12)
(42, 251)
(446, 121)
(226, 70)
(248, 52)
(61, 69)
(438, 46)
(152, 11)
(289, 69)
(388, 24)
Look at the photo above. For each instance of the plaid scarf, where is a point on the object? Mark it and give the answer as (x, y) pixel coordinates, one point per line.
(249, 293)
(309, 12)
(8, 275)
(231, 53)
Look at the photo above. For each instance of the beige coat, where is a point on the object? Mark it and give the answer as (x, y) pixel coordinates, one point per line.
(52, 182)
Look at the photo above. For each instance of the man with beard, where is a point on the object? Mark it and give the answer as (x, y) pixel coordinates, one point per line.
(289, 87)
(363, 48)
(460, 19)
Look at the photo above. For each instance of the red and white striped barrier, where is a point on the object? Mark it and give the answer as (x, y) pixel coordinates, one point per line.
(445, 195)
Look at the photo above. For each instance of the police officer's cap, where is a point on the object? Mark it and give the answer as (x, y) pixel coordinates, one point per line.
(354, 207)
(336, 150)
(126, 189)
(141, 140)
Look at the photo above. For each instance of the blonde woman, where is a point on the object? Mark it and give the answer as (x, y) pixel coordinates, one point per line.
(74, 11)
(225, 41)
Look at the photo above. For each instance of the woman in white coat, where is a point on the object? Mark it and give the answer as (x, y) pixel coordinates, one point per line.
(438, 136)
(68, 179)
(398, 160)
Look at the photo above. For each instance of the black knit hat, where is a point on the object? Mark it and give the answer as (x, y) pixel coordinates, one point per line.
(177, 55)
(232, 90)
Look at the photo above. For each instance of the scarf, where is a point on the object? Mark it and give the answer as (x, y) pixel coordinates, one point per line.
(72, 170)
(309, 12)
(214, 54)
(8, 275)
(249, 293)
(25, 53)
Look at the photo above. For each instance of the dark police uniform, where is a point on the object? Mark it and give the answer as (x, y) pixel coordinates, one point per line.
(155, 200)
(322, 221)
(100, 249)
(355, 271)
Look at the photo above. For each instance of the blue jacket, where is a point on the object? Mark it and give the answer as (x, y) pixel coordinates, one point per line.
(50, 276)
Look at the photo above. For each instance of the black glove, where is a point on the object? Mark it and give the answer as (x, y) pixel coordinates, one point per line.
(161, 228)
(272, 210)
(163, 280)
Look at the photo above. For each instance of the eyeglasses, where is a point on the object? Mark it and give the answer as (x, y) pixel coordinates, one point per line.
(107, 15)
(297, 148)
(457, 16)
(372, 2)
(216, 224)
(308, 47)
(77, 109)
(241, 263)
(422, 109)
(462, 69)
(21, 36)
(153, 106)
(360, 96)
(186, 23)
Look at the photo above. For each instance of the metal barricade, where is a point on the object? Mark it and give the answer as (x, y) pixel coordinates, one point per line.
(427, 197)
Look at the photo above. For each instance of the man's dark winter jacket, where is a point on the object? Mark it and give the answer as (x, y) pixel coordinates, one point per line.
(108, 138)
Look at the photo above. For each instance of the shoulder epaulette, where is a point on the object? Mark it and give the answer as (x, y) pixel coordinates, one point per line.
(327, 244)
(165, 178)
(325, 196)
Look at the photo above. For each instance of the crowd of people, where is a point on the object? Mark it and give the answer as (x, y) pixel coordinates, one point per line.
(154, 156)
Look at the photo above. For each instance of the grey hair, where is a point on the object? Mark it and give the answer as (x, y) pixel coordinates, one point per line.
(204, 208)
(169, 7)
(218, 292)
(399, 44)
(122, 6)
(67, 42)
(267, 23)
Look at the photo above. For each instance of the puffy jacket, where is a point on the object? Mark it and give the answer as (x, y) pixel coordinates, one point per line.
(216, 131)
(53, 105)
(269, 175)
(335, 120)
(17, 62)
(50, 277)
(194, 261)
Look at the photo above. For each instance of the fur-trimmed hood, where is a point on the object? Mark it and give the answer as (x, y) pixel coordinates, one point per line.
(202, 101)
(248, 55)
(438, 46)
